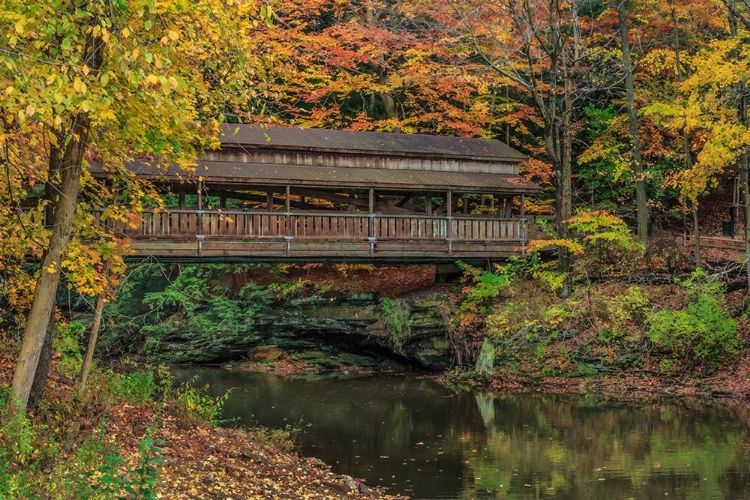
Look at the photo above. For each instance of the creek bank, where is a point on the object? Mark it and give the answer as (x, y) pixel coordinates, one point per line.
(154, 448)
(499, 327)
(629, 386)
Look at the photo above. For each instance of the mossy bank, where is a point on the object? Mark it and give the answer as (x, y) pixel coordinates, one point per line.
(491, 324)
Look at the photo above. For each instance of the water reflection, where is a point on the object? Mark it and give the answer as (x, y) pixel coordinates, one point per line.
(417, 437)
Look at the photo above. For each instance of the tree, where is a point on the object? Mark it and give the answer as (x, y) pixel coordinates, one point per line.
(711, 107)
(642, 216)
(369, 65)
(536, 46)
(109, 81)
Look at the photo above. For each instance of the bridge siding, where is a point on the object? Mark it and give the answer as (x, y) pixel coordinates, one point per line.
(359, 161)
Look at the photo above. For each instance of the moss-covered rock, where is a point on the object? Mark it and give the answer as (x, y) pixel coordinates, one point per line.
(352, 329)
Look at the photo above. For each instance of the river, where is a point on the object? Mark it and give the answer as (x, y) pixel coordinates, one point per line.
(417, 437)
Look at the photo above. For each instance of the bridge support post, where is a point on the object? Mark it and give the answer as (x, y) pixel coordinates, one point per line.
(199, 237)
(288, 240)
(449, 221)
(288, 220)
(371, 221)
(522, 228)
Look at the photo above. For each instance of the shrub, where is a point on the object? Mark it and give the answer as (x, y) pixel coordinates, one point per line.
(397, 319)
(17, 439)
(115, 481)
(68, 342)
(601, 243)
(702, 333)
(196, 404)
(621, 313)
(609, 245)
(483, 285)
(135, 386)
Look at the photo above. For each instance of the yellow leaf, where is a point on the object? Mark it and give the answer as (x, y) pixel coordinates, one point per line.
(30, 109)
(52, 138)
(173, 35)
(52, 268)
(9, 90)
(79, 86)
(85, 69)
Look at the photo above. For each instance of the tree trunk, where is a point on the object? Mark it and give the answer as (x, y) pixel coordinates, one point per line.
(42, 368)
(744, 160)
(389, 103)
(635, 144)
(69, 166)
(49, 277)
(746, 204)
(745, 188)
(45, 356)
(565, 187)
(696, 236)
(88, 359)
(566, 171)
(685, 139)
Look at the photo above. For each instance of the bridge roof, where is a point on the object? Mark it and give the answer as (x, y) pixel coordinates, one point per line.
(238, 174)
(388, 143)
(252, 156)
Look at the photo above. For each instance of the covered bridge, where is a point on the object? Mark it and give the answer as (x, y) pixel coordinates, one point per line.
(285, 193)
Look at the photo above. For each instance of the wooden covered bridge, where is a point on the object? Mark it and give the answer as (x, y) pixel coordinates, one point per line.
(290, 193)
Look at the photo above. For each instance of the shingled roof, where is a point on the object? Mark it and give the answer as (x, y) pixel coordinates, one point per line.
(381, 143)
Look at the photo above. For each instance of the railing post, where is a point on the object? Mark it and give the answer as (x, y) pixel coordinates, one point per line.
(199, 236)
(371, 222)
(288, 236)
(449, 222)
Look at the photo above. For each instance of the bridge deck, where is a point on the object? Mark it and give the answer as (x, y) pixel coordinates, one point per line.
(270, 235)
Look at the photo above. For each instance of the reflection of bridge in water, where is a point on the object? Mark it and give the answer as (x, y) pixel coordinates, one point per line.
(292, 193)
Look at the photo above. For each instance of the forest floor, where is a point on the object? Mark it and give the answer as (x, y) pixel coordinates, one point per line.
(192, 458)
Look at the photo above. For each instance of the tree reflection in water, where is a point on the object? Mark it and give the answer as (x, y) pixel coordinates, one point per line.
(418, 437)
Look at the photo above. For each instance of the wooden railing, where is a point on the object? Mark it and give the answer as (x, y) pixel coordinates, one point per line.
(319, 233)
(312, 225)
